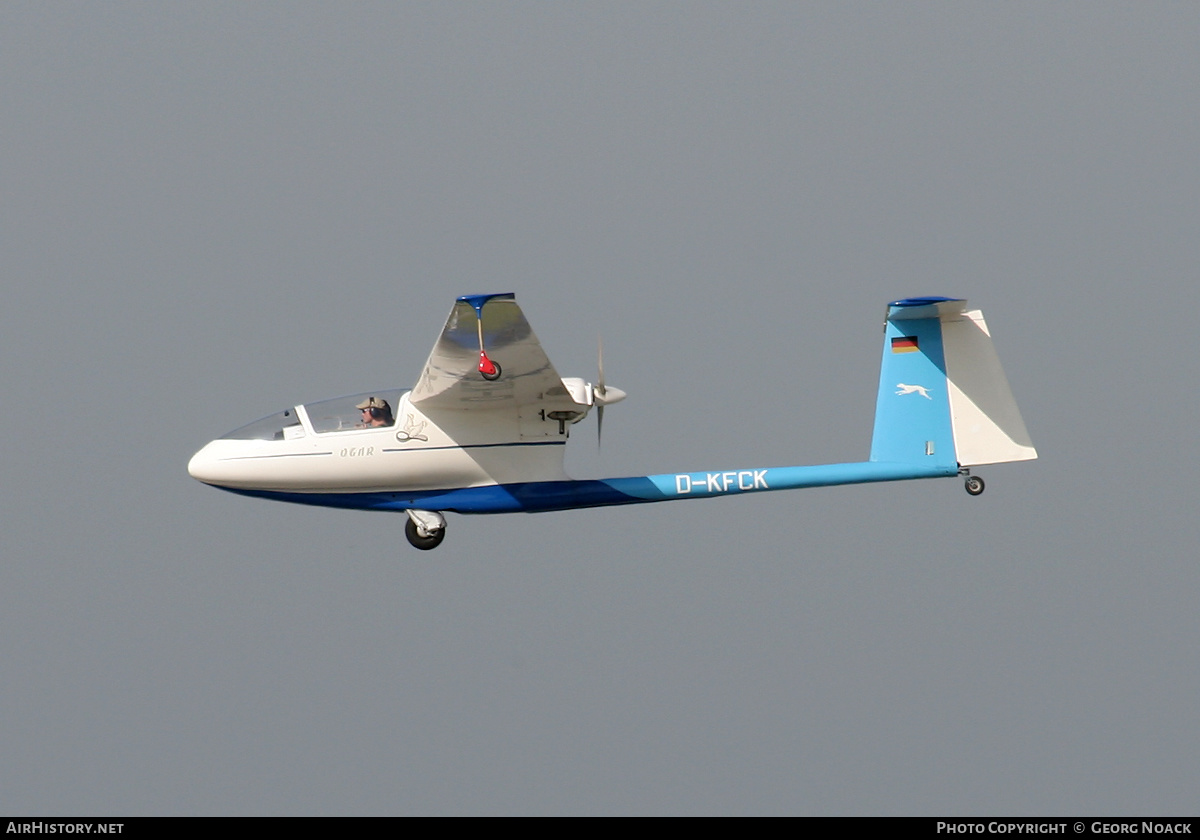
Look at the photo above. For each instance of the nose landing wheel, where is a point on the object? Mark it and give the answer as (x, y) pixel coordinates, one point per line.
(423, 543)
(424, 529)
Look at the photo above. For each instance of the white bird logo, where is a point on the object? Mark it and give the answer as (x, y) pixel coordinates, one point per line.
(412, 430)
(912, 389)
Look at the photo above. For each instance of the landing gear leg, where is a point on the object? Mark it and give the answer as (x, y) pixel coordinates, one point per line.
(425, 529)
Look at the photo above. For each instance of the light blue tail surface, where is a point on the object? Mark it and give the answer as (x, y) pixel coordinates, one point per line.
(912, 410)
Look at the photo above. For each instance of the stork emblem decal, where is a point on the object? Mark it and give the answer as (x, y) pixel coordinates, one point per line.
(412, 430)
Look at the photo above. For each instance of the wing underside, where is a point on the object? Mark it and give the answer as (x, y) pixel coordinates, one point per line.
(452, 379)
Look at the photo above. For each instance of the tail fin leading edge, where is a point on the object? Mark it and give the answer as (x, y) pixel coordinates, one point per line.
(943, 396)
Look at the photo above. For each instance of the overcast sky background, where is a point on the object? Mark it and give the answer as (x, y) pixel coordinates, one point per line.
(213, 211)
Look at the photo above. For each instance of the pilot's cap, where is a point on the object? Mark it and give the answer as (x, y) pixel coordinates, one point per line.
(373, 402)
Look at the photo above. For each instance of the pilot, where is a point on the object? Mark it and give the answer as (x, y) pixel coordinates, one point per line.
(375, 412)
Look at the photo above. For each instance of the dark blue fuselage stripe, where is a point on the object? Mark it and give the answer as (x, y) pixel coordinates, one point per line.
(531, 497)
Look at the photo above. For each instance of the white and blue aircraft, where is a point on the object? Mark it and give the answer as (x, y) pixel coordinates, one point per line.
(483, 429)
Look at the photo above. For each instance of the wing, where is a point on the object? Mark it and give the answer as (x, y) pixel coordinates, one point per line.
(452, 380)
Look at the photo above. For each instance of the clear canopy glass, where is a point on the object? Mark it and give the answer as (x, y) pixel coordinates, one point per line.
(275, 427)
(374, 409)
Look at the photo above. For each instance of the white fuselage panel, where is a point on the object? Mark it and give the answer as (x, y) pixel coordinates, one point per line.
(462, 450)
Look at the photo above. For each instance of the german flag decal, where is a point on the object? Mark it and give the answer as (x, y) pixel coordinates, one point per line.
(907, 344)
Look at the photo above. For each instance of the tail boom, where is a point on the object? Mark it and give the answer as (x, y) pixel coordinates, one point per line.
(543, 496)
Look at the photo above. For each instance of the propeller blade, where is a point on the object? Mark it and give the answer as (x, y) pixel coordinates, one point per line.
(600, 364)
(602, 395)
(599, 392)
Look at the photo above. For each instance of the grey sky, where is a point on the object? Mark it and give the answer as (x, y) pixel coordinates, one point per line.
(213, 211)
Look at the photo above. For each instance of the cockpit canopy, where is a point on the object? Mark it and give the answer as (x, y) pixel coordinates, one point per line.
(274, 427)
(345, 413)
(336, 415)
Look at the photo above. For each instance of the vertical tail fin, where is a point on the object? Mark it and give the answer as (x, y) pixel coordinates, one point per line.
(912, 410)
(943, 397)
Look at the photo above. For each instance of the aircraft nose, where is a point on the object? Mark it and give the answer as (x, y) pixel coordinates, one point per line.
(202, 467)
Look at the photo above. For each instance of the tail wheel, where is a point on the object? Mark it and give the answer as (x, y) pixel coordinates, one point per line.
(423, 543)
(974, 485)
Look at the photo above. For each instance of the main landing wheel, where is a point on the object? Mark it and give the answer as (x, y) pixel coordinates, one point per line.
(974, 485)
(423, 543)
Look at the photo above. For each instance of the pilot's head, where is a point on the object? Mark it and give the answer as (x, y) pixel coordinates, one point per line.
(375, 412)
